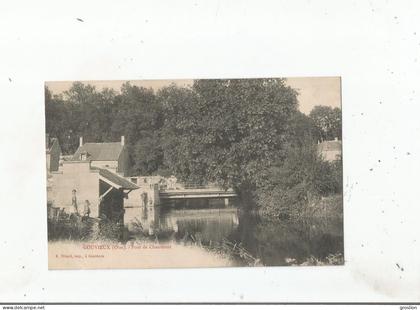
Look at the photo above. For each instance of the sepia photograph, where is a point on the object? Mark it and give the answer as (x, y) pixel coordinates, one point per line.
(194, 173)
(242, 154)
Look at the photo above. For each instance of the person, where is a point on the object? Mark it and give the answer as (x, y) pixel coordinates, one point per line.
(86, 210)
(172, 182)
(75, 209)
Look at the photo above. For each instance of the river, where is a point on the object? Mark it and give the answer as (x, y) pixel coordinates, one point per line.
(268, 242)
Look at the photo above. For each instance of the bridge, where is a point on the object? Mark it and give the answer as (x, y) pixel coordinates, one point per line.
(186, 191)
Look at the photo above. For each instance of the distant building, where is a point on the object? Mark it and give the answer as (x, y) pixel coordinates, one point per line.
(53, 152)
(112, 156)
(330, 150)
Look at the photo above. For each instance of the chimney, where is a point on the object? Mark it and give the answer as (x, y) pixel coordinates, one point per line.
(122, 140)
(80, 141)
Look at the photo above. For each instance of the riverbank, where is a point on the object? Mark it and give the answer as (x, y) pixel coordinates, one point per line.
(325, 207)
(320, 207)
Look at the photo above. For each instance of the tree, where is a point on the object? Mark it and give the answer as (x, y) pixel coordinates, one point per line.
(294, 184)
(57, 120)
(80, 111)
(179, 133)
(227, 131)
(81, 94)
(301, 130)
(327, 121)
(147, 154)
(137, 115)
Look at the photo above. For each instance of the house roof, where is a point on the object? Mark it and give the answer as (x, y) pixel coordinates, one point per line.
(116, 179)
(333, 145)
(100, 151)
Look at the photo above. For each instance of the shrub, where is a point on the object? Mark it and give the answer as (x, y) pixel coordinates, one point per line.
(69, 227)
(294, 186)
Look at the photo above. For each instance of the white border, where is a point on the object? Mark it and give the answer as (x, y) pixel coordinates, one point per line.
(373, 45)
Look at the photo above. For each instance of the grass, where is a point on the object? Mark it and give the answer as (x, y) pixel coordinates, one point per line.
(331, 259)
(74, 227)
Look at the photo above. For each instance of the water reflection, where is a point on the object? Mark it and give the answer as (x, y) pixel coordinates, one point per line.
(273, 243)
(204, 225)
(281, 242)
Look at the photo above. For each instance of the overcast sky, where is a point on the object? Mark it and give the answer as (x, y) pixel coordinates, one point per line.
(312, 90)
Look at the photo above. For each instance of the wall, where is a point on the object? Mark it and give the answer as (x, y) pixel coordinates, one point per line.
(331, 155)
(134, 199)
(111, 165)
(76, 175)
(119, 166)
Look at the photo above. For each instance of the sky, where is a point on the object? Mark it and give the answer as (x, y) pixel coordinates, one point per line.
(312, 90)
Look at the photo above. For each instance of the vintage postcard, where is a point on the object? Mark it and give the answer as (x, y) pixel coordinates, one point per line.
(194, 173)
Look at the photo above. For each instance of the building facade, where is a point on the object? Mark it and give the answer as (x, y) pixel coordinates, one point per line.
(112, 156)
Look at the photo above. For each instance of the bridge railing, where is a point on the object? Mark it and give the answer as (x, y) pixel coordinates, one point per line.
(196, 186)
(186, 186)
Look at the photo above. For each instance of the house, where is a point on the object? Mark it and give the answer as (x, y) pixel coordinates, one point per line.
(330, 150)
(94, 175)
(102, 188)
(53, 152)
(112, 156)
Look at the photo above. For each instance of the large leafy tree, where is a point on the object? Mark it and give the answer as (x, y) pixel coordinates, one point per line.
(228, 131)
(57, 122)
(179, 135)
(301, 130)
(138, 116)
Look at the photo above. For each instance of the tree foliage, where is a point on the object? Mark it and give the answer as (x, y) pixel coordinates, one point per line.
(327, 121)
(297, 182)
(227, 131)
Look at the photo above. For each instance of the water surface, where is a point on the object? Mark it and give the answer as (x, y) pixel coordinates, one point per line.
(272, 243)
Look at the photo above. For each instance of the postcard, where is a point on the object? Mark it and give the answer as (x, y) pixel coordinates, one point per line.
(194, 173)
